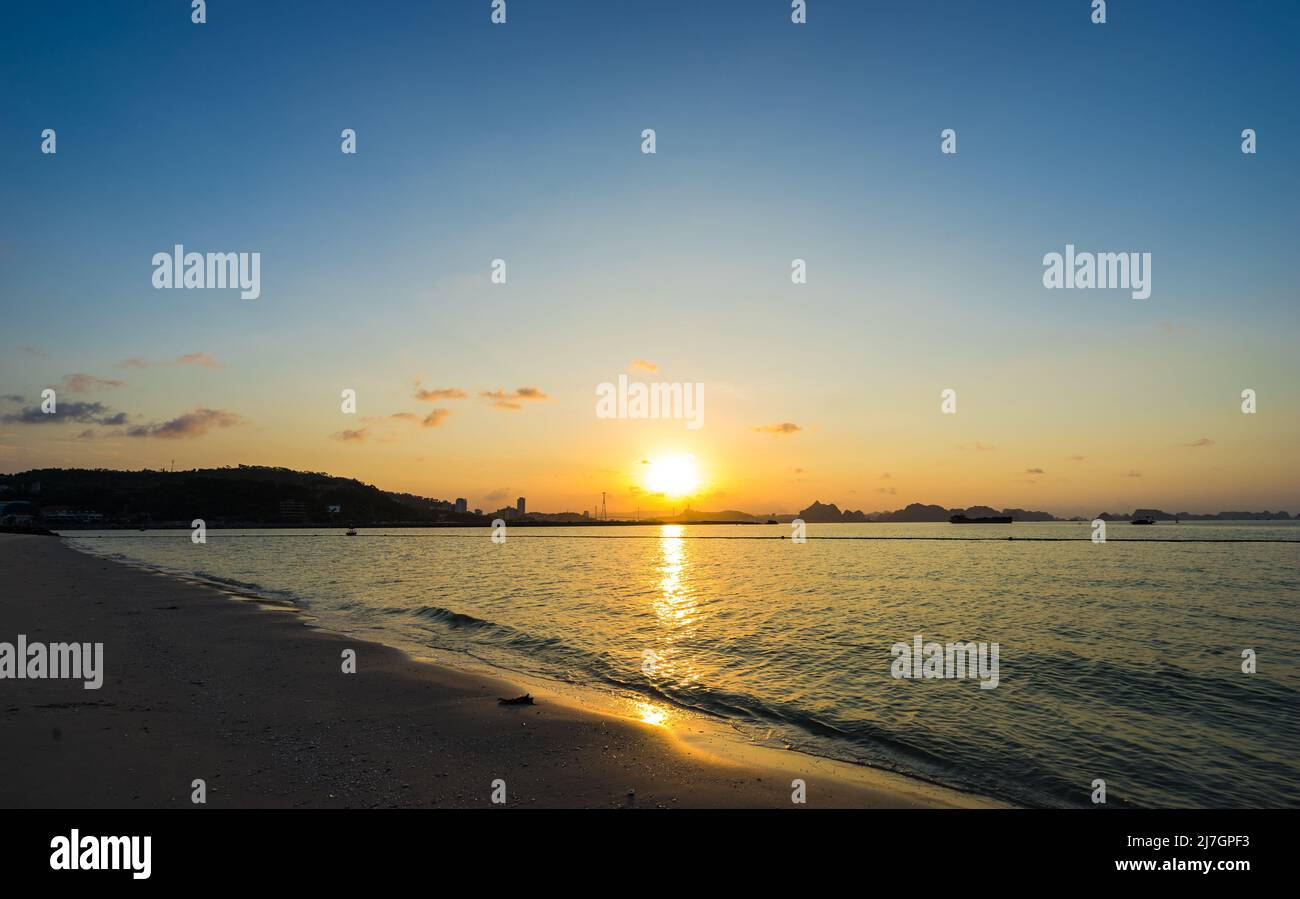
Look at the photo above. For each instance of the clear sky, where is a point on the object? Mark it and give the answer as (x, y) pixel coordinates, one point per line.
(775, 141)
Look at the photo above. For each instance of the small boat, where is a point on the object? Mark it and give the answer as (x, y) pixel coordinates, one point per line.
(991, 519)
(1143, 520)
(352, 532)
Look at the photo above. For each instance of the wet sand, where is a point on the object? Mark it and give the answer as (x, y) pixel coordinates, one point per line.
(197, 684)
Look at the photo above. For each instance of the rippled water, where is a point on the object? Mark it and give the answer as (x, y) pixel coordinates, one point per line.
(1119, 661)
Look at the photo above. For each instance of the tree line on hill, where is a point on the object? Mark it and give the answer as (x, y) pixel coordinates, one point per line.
(245, 494)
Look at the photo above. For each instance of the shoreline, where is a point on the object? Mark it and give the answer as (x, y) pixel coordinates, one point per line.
(690, 727)
(244, 695)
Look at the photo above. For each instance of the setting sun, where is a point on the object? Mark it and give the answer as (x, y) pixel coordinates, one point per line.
(673, 475)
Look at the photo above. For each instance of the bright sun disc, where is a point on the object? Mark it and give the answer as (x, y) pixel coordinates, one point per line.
(673, 476)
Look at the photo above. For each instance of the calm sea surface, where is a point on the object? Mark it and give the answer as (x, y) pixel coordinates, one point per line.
(1119, 660)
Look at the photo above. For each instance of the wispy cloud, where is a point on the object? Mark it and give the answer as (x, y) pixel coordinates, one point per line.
(1034, 471)
(192, 424)
(83, 413)
(502, 400)
(388, 428)
(395, 416)
(84, 383)
(1204, 441)
(202, 360)
(780, 428)
(436, 394)
(643, 365)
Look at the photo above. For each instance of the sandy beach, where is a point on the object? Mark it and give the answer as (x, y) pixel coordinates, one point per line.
(197, 684)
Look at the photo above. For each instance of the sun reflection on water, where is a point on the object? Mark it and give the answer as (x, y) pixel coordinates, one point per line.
(676, 609)
(674, 605)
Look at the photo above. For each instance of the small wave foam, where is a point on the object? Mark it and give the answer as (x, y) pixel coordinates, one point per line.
(458, 620)
(257, 591)
(785, 723)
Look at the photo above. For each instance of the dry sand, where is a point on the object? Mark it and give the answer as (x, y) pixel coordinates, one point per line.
(254, 702)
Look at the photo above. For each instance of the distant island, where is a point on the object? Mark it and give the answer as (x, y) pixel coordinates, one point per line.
(1161, 515)
(919, 512)
(262, 496)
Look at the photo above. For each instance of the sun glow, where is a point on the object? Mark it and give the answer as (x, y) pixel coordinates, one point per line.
(673, 475)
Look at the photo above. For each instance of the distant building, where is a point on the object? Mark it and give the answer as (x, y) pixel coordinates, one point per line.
(17, 512)
(478, 511)
(519, 506)
(557, 516)
(64, 516)
(462, 505)
(293, 508)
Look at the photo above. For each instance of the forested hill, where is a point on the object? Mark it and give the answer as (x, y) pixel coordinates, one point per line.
(245, 493)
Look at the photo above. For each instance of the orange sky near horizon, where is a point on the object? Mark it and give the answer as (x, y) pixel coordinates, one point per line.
(494, 444)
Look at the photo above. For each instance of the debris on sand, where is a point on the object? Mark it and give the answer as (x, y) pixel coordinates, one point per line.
(526, 699)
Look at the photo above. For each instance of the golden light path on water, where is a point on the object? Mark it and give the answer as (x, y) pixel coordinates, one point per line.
(677, 612)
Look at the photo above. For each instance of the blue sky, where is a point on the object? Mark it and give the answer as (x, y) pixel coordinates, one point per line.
(774, 141)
